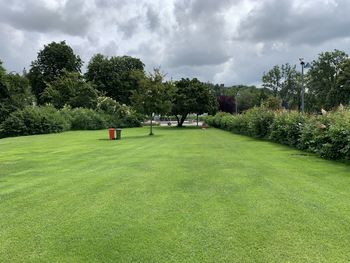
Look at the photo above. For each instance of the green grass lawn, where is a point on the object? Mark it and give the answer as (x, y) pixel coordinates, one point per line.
(183, 195)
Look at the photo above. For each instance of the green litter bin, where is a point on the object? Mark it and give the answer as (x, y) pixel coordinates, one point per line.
(119, 134)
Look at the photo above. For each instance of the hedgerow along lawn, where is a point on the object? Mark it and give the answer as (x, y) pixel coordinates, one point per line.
(183, 195)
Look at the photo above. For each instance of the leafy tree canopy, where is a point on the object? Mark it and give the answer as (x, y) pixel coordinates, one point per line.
(154, 95)
(49, 65)
(322, 80)
(192, 96)
(342, 92)
(284, 81)
(70, 89)
(14, 93)
(114, 75)
(226, 104)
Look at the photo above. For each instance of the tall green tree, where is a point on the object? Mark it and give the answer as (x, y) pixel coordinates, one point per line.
(290, 92)
(70, 89)
(284, 81)
(154, 95)
(322, 80)
(4, 93)
(14, 93)
(19, 91)
(247, 97)
(192, 96)
(49, 66)
(342, 92)
(272, 80)
(114, 75)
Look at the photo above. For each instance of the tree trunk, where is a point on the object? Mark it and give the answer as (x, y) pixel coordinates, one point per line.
(181, 121)
(178, 121)
(151, 127)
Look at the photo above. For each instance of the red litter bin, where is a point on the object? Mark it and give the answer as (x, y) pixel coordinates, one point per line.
(111, 133)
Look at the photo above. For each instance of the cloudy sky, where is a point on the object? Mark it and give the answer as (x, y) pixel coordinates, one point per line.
(221, 41)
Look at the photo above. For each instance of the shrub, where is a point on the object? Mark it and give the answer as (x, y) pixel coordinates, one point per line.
(326, 135)
(272, 103)
(34, 120)
(259, 120)
(287, 127)
(85, 119)
(118, 115)
(107, 105)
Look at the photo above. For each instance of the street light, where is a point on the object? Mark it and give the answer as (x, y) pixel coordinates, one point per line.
(303, 66)
(302, 63)
(236, 100)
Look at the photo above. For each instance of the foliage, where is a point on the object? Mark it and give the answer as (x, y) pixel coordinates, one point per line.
(272, 80)
(47, 119)
(85, 119)
(14, 93)
(192, 96)
(342, 93)
(226, 104)
(3, 87)
(115, 75)
(272, 103)
(247, 97)
(153, 96)
(326, 135)
(34, 120)
(70, 89)
(49, 66)
(287, 127)
(107, 105)
(284, 81)
(258, 121)
(322, 80)
(254, 122)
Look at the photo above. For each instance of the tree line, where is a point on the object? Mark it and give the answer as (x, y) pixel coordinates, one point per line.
(56, 78)
(326, 82)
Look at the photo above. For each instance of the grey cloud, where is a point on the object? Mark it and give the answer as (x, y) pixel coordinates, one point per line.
(129, 27)
(35, 16)
(111, 49)
(223, 41)
(152, 18)
(199, 38)
(196, 53)
(110, 3)
(281, 20)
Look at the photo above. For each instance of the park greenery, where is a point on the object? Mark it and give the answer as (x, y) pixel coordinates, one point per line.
(117, 92)
(182, 195)
(327, 135)
(114, 92)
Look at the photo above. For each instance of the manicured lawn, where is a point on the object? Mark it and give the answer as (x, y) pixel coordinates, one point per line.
(180, 196)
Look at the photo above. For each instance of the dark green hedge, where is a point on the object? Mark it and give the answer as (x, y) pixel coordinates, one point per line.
(326, 135)
(46, 119)
(34, 120)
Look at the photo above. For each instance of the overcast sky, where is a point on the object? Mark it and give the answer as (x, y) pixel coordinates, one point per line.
(221, 41)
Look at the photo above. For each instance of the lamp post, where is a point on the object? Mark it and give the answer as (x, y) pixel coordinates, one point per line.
(236, 102)
(302, 63)
(151, 127)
